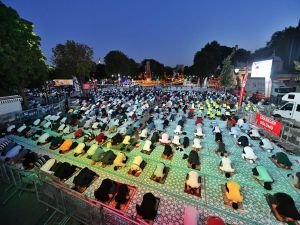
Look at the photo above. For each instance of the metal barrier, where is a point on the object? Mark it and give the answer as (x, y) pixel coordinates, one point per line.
(73, 205)
(4, 174)
(289, 137)
(19, 117)
(18, 180)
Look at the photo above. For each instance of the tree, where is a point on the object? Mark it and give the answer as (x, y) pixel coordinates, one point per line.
(241, 56)
(116, 62)
(285, 44)
(99, 71)
(188, 70)
(73, 59)
(226, 73)
(207, 60)
(168, 71)
(133, 68)
(21, 59)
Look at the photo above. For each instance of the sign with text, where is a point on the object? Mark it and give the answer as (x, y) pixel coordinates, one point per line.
(268, 124)
(86, 86)
(63, 82)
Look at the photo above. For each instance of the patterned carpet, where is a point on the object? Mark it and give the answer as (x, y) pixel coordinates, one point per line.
(173, 200)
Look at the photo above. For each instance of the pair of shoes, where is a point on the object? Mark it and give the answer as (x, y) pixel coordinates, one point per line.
(181, 149)
(177, 148)
(185, 156)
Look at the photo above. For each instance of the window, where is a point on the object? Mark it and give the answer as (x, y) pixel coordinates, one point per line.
(291, 96)
(288, 107)
(298, 108)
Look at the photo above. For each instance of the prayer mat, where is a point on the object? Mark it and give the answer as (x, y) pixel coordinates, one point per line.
(168, 158)
(194, 191)
(142, 166)
(147, 152)
(124, 207)
(82, 189)
(161, 181)
(141, 220)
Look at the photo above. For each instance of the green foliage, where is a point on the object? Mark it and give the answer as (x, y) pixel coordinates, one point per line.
(241, 56)
(133, 68)
(227, 73)
(21, 60)
(99, 71)
(188, 70)
(209, 58)
(168, 71)
(116, 62)
(285, 44)
(72, 59)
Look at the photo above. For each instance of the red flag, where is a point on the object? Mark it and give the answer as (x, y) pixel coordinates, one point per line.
(243, 88)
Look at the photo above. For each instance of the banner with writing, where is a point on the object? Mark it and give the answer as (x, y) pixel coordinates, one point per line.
(268, 124)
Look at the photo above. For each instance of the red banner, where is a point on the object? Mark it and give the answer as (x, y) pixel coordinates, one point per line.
(268, 124)
(86, 86)
(243, 88)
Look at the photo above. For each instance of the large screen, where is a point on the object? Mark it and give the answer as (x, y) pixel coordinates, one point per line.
(261, 69)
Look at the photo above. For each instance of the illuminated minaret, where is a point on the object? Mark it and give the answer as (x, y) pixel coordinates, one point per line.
(148, 71)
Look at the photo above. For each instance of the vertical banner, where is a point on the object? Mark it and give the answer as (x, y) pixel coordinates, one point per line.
(268, 124)
(86, 86)
(243, 88)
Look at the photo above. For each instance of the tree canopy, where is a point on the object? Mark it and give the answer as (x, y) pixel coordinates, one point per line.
(227, 73)
(21, 60)
(207, 60)
(285, 44)
(73, 59)
(241, 56)
(116, 62)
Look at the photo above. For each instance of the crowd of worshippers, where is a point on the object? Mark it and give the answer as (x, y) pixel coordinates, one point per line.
(125, 119)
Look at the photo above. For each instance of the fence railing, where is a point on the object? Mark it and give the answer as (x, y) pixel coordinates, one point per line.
(56, 195)
(19, 117)
(289, 137)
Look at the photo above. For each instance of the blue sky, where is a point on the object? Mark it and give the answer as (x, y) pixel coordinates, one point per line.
(170, 31)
